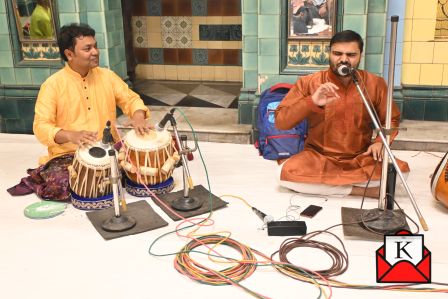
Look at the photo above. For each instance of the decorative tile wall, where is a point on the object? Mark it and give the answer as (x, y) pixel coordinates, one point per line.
(205, 36)
(308, 54)
(139, 34)
(187, 8)
(176, 32)
(425, 61)
(19, 86)
(36, 51)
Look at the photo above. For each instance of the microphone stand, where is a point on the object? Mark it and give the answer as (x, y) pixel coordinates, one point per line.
(118, 222)
(387, 220)
(187, 202)
(388, 173)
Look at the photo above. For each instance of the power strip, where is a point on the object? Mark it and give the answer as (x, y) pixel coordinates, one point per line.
(286, 228)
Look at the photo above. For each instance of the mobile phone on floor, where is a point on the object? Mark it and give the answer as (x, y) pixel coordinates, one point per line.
(311, 211)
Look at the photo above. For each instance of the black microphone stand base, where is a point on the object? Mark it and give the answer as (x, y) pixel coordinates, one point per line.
(384, 221)
(377, 223)
(186, 204)
(118, 224)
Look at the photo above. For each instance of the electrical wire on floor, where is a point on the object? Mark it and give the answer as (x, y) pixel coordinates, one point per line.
(240, 269)
(185, 265)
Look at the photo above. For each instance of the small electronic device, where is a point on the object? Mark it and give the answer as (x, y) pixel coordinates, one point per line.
(311, 211)
(286, 228)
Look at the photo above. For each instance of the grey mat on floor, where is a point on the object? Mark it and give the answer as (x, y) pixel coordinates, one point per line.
(351, 215)
(141, 211)
(198, 192)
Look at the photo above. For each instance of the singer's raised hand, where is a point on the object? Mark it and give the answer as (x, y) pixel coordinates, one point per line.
(325, 94)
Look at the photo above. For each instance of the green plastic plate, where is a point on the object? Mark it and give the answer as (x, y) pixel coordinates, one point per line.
(44, 209)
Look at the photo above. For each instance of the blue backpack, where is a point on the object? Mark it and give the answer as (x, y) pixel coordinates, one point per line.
(273, 143)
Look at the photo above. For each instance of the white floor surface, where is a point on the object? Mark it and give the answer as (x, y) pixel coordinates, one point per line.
(65, 257)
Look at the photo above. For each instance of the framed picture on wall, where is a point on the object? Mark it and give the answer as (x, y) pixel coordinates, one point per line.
(311, 19)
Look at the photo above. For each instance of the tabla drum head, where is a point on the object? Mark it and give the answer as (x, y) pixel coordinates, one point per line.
(44, 209)
(148, 142)
(94, 156)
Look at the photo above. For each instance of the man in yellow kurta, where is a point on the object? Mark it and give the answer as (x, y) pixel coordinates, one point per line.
(339, 156)
(75, 103)
(72, 109)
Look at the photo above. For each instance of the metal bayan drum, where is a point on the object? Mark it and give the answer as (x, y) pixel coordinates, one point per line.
(439, 181)
(148, 159)
(89, 179)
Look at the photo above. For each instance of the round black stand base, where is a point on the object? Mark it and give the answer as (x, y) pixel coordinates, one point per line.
(186, 204)
(385, 221)
(118, 224)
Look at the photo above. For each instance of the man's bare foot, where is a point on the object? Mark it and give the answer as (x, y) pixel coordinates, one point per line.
(373, 192)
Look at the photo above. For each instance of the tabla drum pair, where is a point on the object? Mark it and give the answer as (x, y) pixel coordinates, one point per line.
(148, 162)
(439, 181)
(89, 178)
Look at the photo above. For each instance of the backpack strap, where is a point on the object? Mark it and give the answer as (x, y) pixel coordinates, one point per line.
(280, 86)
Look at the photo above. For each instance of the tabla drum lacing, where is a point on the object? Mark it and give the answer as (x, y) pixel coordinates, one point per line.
(89, 178)
(148, 159)
(439, 181)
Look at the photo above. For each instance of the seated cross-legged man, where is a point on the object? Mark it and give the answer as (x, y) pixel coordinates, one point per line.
(339, 156)
(72, 109)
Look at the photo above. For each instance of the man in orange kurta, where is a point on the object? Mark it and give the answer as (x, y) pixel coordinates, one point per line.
(339, 156)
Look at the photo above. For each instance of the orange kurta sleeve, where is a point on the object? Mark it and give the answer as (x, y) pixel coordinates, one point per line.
(296, 105)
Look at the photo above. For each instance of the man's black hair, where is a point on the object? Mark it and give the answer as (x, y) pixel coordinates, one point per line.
(347, 36)
(68, 34)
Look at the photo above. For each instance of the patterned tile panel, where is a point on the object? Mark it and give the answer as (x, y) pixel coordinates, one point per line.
(176, 32)
(220, 32)
(156, 56)
(183, 24)
(168, 24)
(183, 40)
(200, 56)
(154, 7)
(40, 51)
(199, 7)
(311, 54)
(139, 32)
(169, 40)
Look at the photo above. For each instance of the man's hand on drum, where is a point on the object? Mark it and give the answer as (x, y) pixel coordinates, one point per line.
(140, 123)
(81, 138)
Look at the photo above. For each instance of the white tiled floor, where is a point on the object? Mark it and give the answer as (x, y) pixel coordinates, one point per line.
(64, 257)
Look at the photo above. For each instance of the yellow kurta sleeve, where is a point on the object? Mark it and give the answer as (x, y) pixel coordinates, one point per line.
(44, 125)
(126, 99)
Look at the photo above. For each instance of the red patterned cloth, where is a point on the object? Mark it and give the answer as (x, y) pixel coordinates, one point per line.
(49, 181)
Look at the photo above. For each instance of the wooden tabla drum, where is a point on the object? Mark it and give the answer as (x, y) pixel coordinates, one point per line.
(439, 181)
(89, 178)
(148, 159)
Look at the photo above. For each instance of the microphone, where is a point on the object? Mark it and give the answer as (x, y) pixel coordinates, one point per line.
(161, 125)
(107, 136)
(265, 218)
(345, 70)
